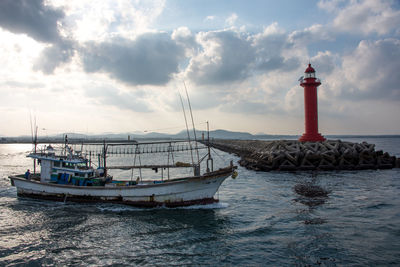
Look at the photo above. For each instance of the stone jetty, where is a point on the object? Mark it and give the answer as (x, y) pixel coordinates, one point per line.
(292, 155)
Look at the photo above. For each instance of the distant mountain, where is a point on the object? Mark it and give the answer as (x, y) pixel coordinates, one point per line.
(220, 134)
(217, 134)
(72, 135)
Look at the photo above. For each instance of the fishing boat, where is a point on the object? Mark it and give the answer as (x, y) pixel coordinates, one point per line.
(83, 174)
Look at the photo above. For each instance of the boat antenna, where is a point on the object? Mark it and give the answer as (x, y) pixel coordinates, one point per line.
(187, 128)
(35, 142)
(194, 129)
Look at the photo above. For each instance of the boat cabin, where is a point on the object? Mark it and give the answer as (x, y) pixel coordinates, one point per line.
(65, 169)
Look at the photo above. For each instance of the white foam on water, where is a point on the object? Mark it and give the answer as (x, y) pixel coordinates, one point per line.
(218, 205)
(360, 198)
(122, 208)
(117, 208)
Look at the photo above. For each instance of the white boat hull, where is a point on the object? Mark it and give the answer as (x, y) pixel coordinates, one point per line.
(172, 193)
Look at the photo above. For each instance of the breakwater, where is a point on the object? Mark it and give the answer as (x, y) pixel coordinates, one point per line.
(291, 155)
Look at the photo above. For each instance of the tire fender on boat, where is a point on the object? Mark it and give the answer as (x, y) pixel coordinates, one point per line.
(234, 174)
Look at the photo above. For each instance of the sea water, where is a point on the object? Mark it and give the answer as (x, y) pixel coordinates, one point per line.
(259, 221)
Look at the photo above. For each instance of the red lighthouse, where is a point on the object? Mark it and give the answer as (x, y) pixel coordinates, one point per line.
(310, 84)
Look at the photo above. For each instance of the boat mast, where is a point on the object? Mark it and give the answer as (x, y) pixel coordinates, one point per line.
(187, 130)
(34, 130)
(35, 142)
(194, 129)
(105, 158)
(210, 159)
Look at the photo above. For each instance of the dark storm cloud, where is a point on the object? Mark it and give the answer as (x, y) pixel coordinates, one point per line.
(31, 17)
(150, 59)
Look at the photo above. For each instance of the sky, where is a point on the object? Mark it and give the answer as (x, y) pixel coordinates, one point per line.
(112, 66)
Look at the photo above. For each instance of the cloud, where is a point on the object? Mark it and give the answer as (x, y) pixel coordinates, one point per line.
(40, 22)
(231, 20)
(369, 73)
(324, 62)
(271, 46)
(31, 17)
(203, 98)
(314, 33)
(215, 57)
(18, 84)
(246, 107)
(151, 58)
(184, 37)
(99, 20)
(225, 57)
(132, 100)
(330, 5)
(54, 55)
(373, 69)
(229, 56)
(294, 100)
(44, 23)
(209, 18)
(366, 16)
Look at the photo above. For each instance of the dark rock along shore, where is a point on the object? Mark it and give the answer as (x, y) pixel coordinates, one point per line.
(291, 155)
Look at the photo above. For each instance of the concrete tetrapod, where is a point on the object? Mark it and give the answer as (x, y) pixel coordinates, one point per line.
(291, 155)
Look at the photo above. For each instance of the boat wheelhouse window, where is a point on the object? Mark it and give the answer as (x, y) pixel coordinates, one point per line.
(56, 164)
(81, 165)
(68, 165)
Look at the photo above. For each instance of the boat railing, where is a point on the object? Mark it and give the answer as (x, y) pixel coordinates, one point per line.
(161, 166)
(63, 157)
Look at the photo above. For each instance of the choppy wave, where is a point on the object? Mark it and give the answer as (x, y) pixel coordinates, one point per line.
(260, 220)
